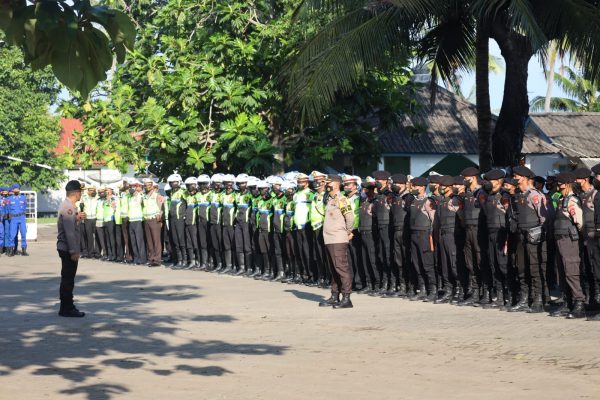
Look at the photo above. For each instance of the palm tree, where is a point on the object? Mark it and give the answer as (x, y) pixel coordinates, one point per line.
(451, 34)
(584, 94)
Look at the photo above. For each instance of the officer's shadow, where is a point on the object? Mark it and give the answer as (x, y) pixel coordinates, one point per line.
(306, 295)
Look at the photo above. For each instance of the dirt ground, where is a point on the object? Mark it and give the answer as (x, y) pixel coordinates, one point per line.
(158, 333)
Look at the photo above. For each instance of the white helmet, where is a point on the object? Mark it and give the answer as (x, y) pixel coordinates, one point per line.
(276, 180)
(174, 178)
(288, 185)
(203, 179)
(253, 181)
(133, 181)
(147, 180)
(191, 181)
(228, 178)
(217, 178)
(241, 178)
(290, 176)
(262, 185)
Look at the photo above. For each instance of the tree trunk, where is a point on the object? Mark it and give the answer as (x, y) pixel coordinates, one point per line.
(551, 56)
(277, 140)
(482, 93)
(510, 127)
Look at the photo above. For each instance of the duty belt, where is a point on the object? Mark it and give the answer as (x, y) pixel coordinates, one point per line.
(289, 213)
(244, 206)
(15, 215)
(175, 201)
(228, 205)
(215, 204)
(306, 201)
(203, 204)
(317, 225)
(279, 212)
(265, 212)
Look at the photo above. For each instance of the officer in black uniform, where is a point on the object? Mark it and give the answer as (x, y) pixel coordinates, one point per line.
(532, 215)
(515, 267)
(496, 209)
(437, 196)
(475, 237)
(381, 230)
(590, 254)
(596, 241)
(365, 228)
(400, 240)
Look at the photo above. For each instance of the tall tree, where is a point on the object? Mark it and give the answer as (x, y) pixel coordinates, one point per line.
(27, 129)
(584, 95)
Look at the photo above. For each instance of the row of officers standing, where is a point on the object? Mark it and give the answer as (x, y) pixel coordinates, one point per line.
(491, 240)
(13, 220)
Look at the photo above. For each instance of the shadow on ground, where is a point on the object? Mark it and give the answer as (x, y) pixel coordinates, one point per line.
(118, 323)
(305, 295)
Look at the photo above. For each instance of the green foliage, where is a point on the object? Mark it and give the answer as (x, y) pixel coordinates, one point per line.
(66, 36)
(27, 129)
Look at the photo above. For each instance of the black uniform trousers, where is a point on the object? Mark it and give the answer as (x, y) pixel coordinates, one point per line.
(382, 237)
(203, 234)
(264, 246)
(89, 227)
(359, 279)
(592, 263)
(216, 241)
(126, 239)
(101, 241)
(569, 266)
(137, 244)
(400, 258)
(472, 251)
(422, 257)
(494, 272)
(535, 266)
(228, 237)
(191, 240)
(67, 279)
(119, 249)
(369, 260)
(447, 259)
(177, 232)
(243, 243)
(291, 253)
(302, 240)
(318, 255)
(110, 234)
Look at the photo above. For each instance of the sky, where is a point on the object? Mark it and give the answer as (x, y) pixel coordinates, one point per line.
(536, 83)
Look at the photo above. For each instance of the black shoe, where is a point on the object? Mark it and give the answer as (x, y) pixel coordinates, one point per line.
(521, 306)
(155, 264)
(345, 303)
(10, 252)
(562, 311)
(225, 270)
(445, 298)
(71, 313)
(578, 310)
(24, 251)
(536, 306)
(333, 300)
(365, 289)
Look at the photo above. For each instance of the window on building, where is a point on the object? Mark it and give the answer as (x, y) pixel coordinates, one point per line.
(397, 164)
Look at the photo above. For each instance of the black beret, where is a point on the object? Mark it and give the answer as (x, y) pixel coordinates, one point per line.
(334, 178)
(399, 178)
(582, 173)
(381, 175)
(539, 179)
(494, 174)
(470, 171)
(511, 181)
(435, 179)
(419, 181)
(73, 186)
(550, 179)
(446, 180)
(565, 177)
(596, 169)
(523, 171)
(459, 180)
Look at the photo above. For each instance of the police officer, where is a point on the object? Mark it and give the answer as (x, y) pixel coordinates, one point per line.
(516, 255)
(203, 206)
(279, 206)
(399, 220)
(475, 237)
(176, 215)
(215, 214)
(372, 281)
(243, 245)
(227, 221)
(254, 267)
(591, 250)
(3, 219)
(568, 223)
(303, 199)
(100, 230)
(350, 184)
(16, 208)
(191, 218)
(264, 226)
(90, 205)
(422, 214)
(447, 215)
(153, 206)
(68, 246)
(532, 215)
(110, 212)
(381, 230)
(596, 241)
(337, 232)
(291, 254)
(124, 234)
(317, 216)
(495, 208)
(135, 216)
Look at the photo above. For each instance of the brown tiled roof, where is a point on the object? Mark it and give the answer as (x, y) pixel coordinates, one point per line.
(450, 127)
(574, 134)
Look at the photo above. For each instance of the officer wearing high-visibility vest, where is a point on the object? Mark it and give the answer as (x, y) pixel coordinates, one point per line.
(303, 200)
(152, 206)
(177, 207)
(203, 207)
(215, 213)
(100, 230)
(255, 267)
(125, 249)
(90, 205)
(227, 222)
(264, 225)
(289, 228)
(111, 215)
(243, 238)
(136, 216)
(317, 216)
(191, 221)
(16, 208)
(279, 203)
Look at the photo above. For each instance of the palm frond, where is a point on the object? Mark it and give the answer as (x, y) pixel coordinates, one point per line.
(338, 57)
(556, 104)
(571, 85)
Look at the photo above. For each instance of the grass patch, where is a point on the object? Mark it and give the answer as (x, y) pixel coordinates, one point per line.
(47, 220)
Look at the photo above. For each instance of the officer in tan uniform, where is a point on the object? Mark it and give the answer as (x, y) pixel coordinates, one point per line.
(69, 246)
(568, 222)
(337, 233)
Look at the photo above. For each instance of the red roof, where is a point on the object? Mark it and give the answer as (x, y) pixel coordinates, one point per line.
(68, 127)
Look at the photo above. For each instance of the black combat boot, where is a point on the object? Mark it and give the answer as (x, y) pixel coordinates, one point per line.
(345, 303)
(241, 259)
(420, 294)
(179, 264)
(192, 263)
(563, 310)
(446, 297)
(24, 251)
(334, 299)
(537, 305)
(401, 292)
(366, 289)
(498, 301)
(578, 310)
(486, 298)
(432, 294)
(10, 251)
(228, 262)
(458, 296)
(70, 311)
